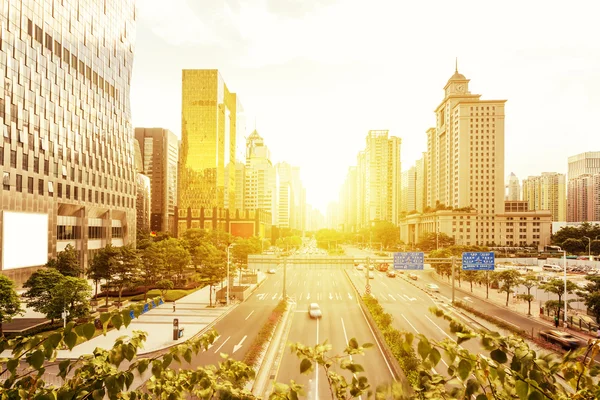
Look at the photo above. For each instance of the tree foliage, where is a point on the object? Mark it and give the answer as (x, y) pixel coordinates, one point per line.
(176, 257)
(10, 304)
(509, 279)
(577, 234)
(557, 286)
(591, 295)
(430, 241)
(67, 262)
(99, 267)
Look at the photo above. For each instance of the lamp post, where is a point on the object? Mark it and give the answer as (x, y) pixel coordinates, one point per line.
(565, 278)
(228, 264)
(589, 248)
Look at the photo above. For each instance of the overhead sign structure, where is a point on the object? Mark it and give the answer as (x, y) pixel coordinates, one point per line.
(478, 261)
(407, 261)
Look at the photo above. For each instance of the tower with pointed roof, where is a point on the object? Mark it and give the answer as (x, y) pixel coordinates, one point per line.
(260, 177)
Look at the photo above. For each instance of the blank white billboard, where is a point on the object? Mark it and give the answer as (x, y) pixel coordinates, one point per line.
(24, 239)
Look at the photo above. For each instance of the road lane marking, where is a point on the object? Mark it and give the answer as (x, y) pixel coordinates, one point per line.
(338, 296)
(274, 296)
(307, 296)
(222, 344)
(349, 296)
(392, 297)
(411, 325)
(301, 296)
(467, 298)
(317, 368)
(441, 330)
(239, 345)
(346, 337)
(249, 315)
(213, 343)
(330, 296)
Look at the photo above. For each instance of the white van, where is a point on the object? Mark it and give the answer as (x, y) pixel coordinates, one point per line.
(552, 268)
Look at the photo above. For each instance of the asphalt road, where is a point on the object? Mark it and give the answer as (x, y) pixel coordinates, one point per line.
(342, 320)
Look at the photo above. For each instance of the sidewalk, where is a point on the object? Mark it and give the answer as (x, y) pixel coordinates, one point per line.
(499, 299)
(193, 312)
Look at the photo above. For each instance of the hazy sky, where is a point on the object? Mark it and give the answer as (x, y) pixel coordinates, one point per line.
(317, 75)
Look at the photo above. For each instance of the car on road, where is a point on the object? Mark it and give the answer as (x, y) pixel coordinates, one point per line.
(382, 267)
(271, 271)
(314, 311)
(433, 287)
(371, 275)
(563, 339)
(414, 277)
(391, 274)
(359, 267)
(371, 268)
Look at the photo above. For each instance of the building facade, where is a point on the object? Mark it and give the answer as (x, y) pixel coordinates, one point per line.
(208, 142)
(260, 178)
(584, 164)
(513, 189)
(583, 201)
(160, 155)
(547, 192)
(409, 190)
(421, 183)
(66, 153)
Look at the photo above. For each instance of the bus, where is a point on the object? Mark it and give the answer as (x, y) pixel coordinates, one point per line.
(552, 249)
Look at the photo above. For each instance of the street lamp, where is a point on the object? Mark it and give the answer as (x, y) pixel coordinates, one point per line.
(589, 248)
(228, 264)
(565, 278)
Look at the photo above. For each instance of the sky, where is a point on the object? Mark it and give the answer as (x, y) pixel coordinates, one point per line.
(316, 76)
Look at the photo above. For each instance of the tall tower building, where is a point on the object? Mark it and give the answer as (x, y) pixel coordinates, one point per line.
(547, 192)
(208, 142)
(409, 190)
(421, 183)
(160, 155)
(584, 164)
(66, 157)
(381, 182)
(583, 203)
(143, 192)
(466, 151)
(260, 180)
(513, 192)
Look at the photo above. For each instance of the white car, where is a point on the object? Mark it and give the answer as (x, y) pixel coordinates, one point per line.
(271, 271)
(433, 287)
(371, 275)
(359, 267)
(314, 311)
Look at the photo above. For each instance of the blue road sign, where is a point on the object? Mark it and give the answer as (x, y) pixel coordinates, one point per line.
(409, 260)
(478, 261)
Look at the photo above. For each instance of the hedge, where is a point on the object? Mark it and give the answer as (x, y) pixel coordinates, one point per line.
(395, 339)
(253, 354)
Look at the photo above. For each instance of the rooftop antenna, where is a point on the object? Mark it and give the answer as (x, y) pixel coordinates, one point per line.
(456, 65)
(254, 123)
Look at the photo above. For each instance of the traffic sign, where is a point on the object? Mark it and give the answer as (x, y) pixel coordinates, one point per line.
(409, 260)
(478, 261)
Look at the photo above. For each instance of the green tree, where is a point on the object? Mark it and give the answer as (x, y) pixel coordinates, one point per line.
(40, 287)
(470, 276)
(152, 266)
(72, 294)
(125, 269)
(574, 246)
(213, 270)
(577, 233)
(591, 295)
(143, 239)
(99, 267)
(10, 304)
(164, 285)
(177, 257)
(387, 234)
(243, 248)
(529, 281)
(430, 241)
(289, 242)
(595, 246)
(509, 279)
(67, 262)
(557, 286)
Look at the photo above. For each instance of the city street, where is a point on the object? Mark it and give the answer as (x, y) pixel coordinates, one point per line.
(342, 320)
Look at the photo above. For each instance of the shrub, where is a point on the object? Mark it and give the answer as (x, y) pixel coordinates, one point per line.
(263, 336)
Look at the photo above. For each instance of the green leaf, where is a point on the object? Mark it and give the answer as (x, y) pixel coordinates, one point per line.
(367, 345)
(522, 388)
(535, 395)
(71, 340)
(98, 394)
(36, 359)
(435, 356)
(305, 365)
(499, 356)
(354, 368)
(143, 365)
(104, 318)
(88, 330)
(464, 367)
(424, 348)
(126, 317)
(353, 343)
(472, 386)
(481, 397)
(117, 321)
(11, 365)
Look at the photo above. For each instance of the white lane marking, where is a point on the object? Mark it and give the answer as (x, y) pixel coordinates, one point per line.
(467, 298)
(392, 297)
(213, 343)
(222, 344)
(349, 296)
(307, 296)
(441, 330)
(301, 294)
(239, 345)
(330, 296)
(411, 325)
(346, 337)
(338, 296)
(274, 296)
(317, 368)
(249, 315)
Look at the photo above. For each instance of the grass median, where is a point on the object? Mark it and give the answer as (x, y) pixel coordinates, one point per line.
(400, 343)
(264, 335)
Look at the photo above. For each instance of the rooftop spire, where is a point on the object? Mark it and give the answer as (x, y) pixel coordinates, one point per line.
(456, 65)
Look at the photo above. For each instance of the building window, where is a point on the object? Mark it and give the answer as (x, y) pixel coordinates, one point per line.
(30, 185)
(75, 193)
(36, 165)
(41, 186)
(67, 232)
(19, 183)
(46, 167)
(59, 191)
(13, 158)
(95, 232)
(117, 232)
(50, 187)
(68, 191)
(1, 155)
(6, 181)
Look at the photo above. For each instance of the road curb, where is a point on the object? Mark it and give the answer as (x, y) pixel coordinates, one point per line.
(396, 369)
(264, 373)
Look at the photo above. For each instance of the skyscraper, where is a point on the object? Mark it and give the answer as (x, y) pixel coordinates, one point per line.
(583, 203)
(421, 183)
(513, 192)
(66, 157)
(409, 190)
(380, 178)
(208, 142)
(260, 180)
(547, 192)
(160, 155)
